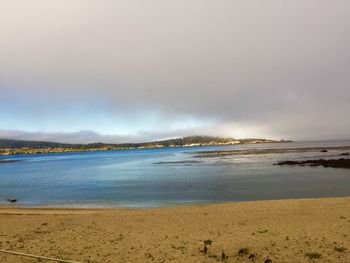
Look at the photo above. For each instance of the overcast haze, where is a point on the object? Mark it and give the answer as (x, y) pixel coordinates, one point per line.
(118, 71)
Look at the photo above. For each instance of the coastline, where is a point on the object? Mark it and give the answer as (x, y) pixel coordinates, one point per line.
(225, 153)
(284, 230)
(47, 150)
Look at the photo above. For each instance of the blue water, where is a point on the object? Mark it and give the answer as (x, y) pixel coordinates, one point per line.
(133, 178)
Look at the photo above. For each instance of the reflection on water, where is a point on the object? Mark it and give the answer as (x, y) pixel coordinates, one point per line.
(165, 177)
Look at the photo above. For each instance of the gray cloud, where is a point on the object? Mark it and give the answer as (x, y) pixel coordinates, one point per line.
(92, 136)
(267, 68)
(74, 137)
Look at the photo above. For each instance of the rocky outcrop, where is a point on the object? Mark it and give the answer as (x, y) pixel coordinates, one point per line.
(334, 163)
(11, 200)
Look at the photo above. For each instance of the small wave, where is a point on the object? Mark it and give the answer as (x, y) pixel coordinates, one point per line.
(179, 162)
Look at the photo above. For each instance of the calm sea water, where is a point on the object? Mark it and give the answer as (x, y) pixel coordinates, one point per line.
(133, 178)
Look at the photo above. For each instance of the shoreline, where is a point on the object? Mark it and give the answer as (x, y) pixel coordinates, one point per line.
(233, 152)
(87, 207)
(34, 151)
(283, 230)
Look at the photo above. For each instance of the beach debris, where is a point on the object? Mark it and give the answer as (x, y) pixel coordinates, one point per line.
(252, 257)
(35, 256)
(268, 260)
(223, 255)
(344, 154)
(11, 200)
(313, 255)
(205, 249)
(243, 251)
(149, 255)
(340, 249)
(207, 242)
(324, 151)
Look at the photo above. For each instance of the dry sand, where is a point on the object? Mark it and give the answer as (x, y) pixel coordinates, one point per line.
(282, 230)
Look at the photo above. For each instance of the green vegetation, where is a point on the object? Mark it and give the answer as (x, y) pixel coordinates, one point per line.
(12, 147)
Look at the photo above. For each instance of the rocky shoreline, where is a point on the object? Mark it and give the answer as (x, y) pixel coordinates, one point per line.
(223, 153)
(333, 163)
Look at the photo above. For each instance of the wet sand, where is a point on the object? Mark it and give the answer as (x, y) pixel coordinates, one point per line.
(285, 231)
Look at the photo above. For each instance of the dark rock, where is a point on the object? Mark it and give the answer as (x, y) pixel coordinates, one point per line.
(344, 154)
(288, 163)
(324, 151)
(11, 200)
(10, 161)
(334, 163)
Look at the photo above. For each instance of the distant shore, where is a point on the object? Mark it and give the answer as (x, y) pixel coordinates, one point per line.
(304, 230)
(66, 148)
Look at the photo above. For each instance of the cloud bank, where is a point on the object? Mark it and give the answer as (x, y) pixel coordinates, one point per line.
(141, 69)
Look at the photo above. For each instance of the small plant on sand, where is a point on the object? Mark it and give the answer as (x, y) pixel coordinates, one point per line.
(313, 255)
(243, 251)
(252, 257)
(206, 243)
(340, 249)
(223, 255)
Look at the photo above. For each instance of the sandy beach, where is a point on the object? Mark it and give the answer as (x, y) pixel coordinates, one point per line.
(284, 231)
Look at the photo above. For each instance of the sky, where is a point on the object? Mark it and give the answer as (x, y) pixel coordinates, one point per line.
(135, 70)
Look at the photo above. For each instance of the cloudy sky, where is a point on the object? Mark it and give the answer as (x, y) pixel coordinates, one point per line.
(134, 70)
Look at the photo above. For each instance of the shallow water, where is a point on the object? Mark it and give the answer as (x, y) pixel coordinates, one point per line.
(159, 177)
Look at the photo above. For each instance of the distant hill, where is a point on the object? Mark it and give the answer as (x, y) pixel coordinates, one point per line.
(8, 146)
(6, 143)
(189, 140)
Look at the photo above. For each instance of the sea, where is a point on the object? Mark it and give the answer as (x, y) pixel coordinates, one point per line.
(141, 178)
